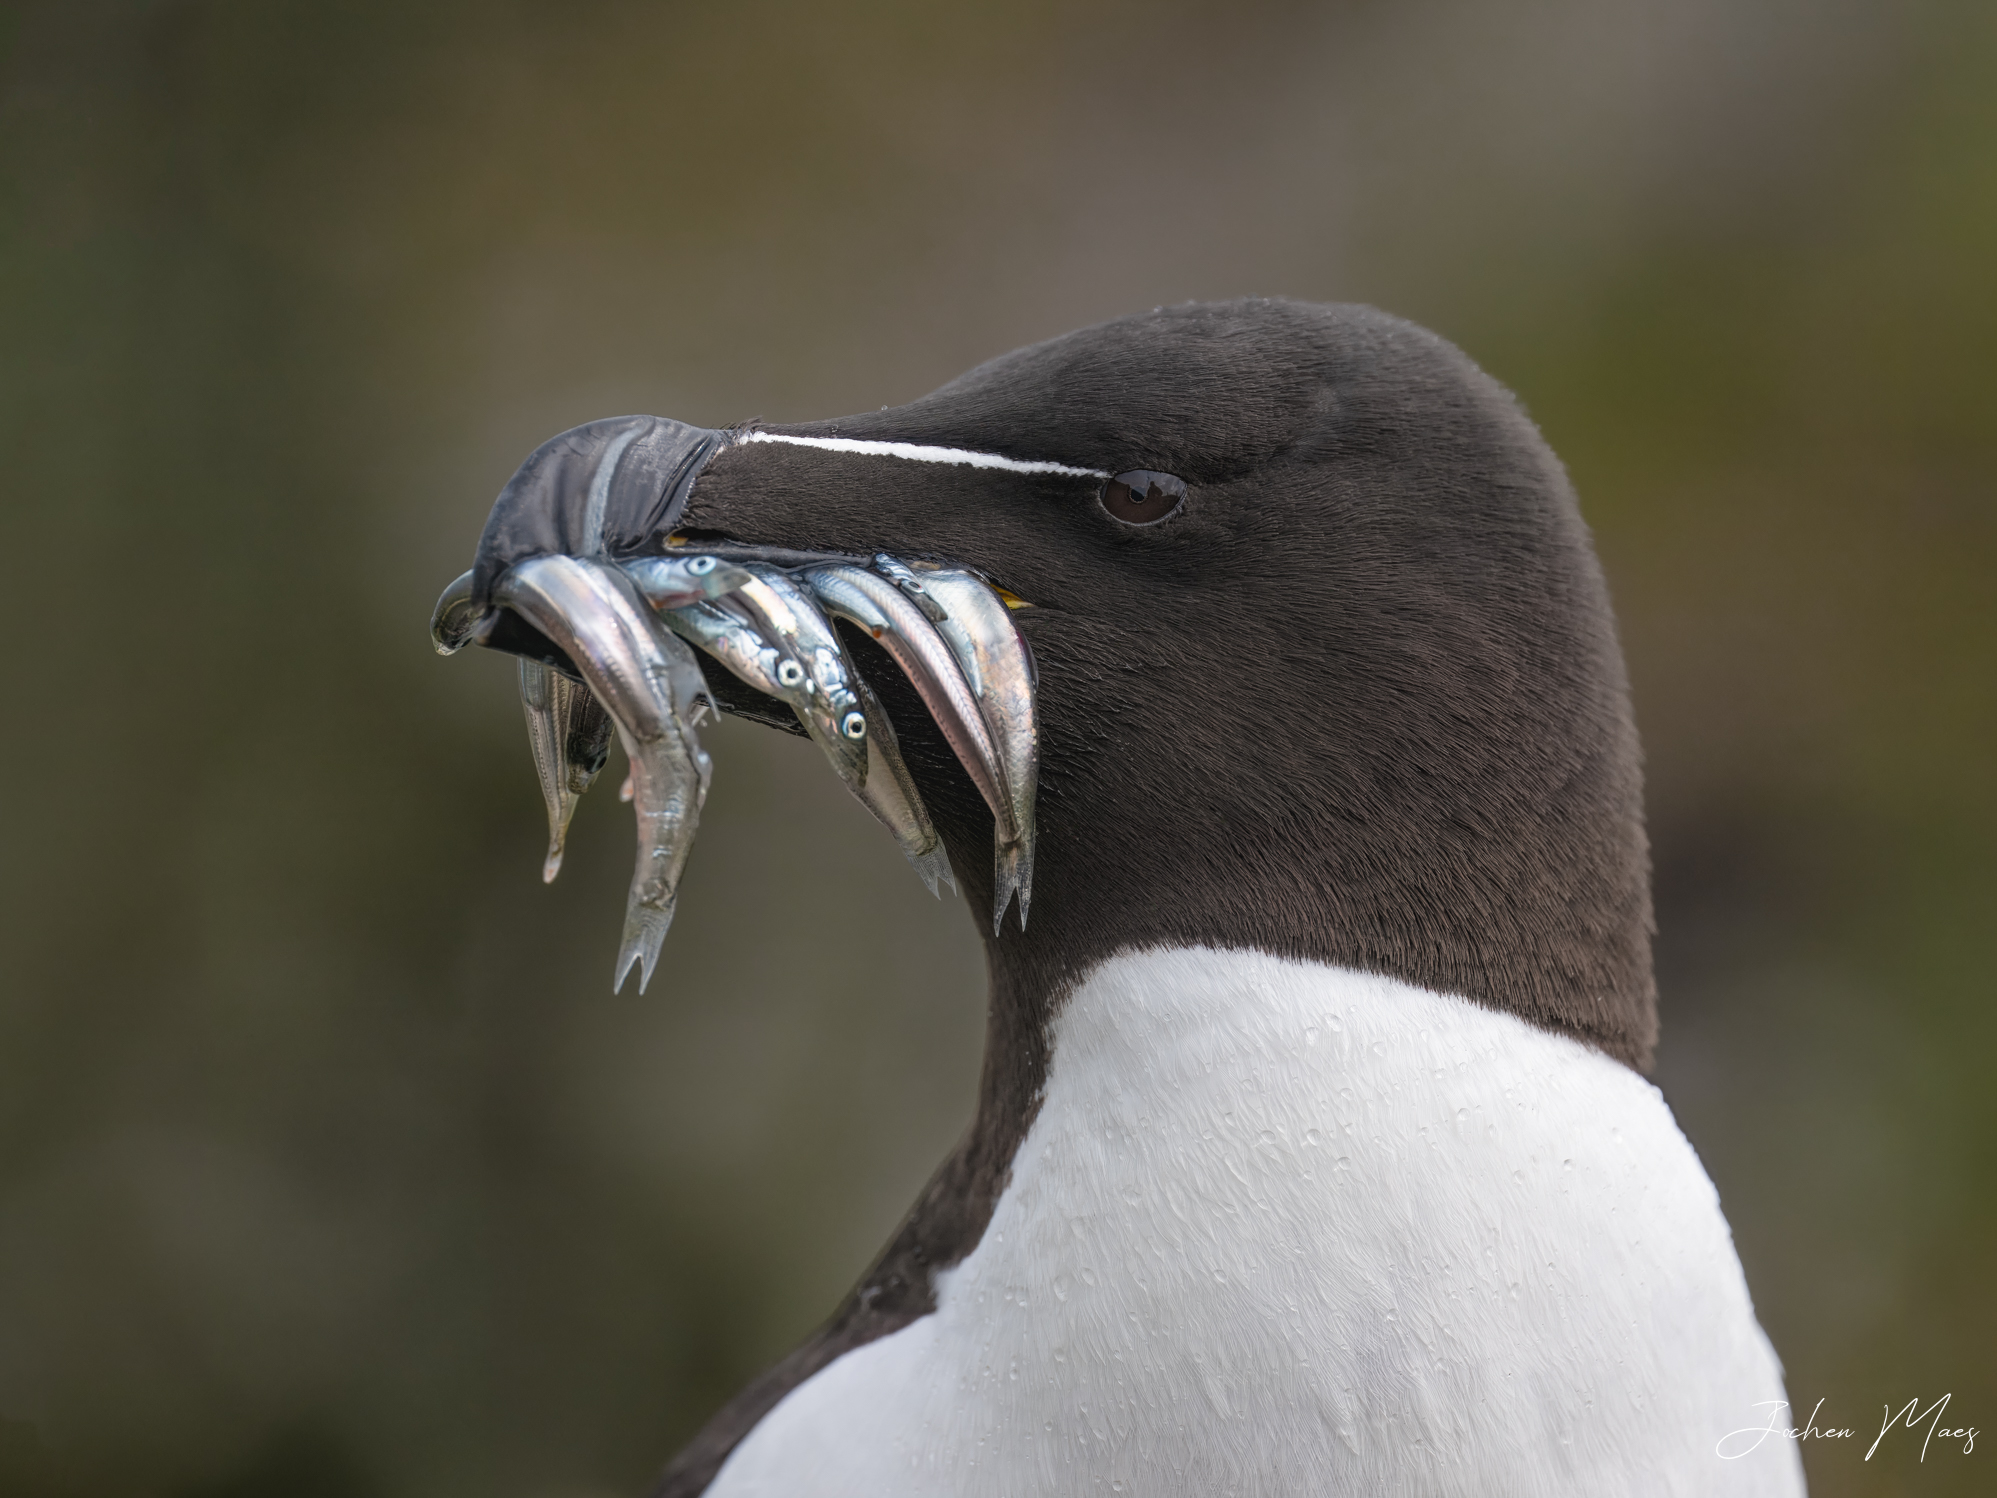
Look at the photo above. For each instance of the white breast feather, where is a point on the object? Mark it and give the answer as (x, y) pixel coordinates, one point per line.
(1285, 1229)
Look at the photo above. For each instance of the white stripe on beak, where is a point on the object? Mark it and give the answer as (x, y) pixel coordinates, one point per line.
(916, 452)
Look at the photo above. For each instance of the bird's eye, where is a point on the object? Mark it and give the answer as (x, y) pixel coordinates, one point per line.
(1141, 497)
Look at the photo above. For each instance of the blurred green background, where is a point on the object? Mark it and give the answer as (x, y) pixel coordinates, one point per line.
(330, 1168)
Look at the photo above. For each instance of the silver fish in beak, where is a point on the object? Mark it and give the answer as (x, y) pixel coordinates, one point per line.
(567, 729)
(891, 795)
(729, 638)
(954, 639)
(728, 635)
(581, 575)
(894, 621)
(649, 683)
(998, 669)
(784, 614)
(677, 582)
(569, 733)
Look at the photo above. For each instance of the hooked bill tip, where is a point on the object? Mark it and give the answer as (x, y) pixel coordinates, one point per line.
(453, 623)
(551, 865)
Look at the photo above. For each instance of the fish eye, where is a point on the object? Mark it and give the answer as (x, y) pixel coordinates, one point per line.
(790, 673)
(700, 566)
(1141, 497)
(854, 726)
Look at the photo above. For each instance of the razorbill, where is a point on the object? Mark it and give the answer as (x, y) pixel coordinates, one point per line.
(1313, 1151)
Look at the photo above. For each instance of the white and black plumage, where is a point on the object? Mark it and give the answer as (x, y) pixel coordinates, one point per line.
(1312, 1151)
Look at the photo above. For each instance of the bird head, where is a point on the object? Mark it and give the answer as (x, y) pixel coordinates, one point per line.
(1324, 663)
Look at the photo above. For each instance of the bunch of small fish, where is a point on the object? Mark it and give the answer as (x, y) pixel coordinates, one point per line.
(623, 662)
